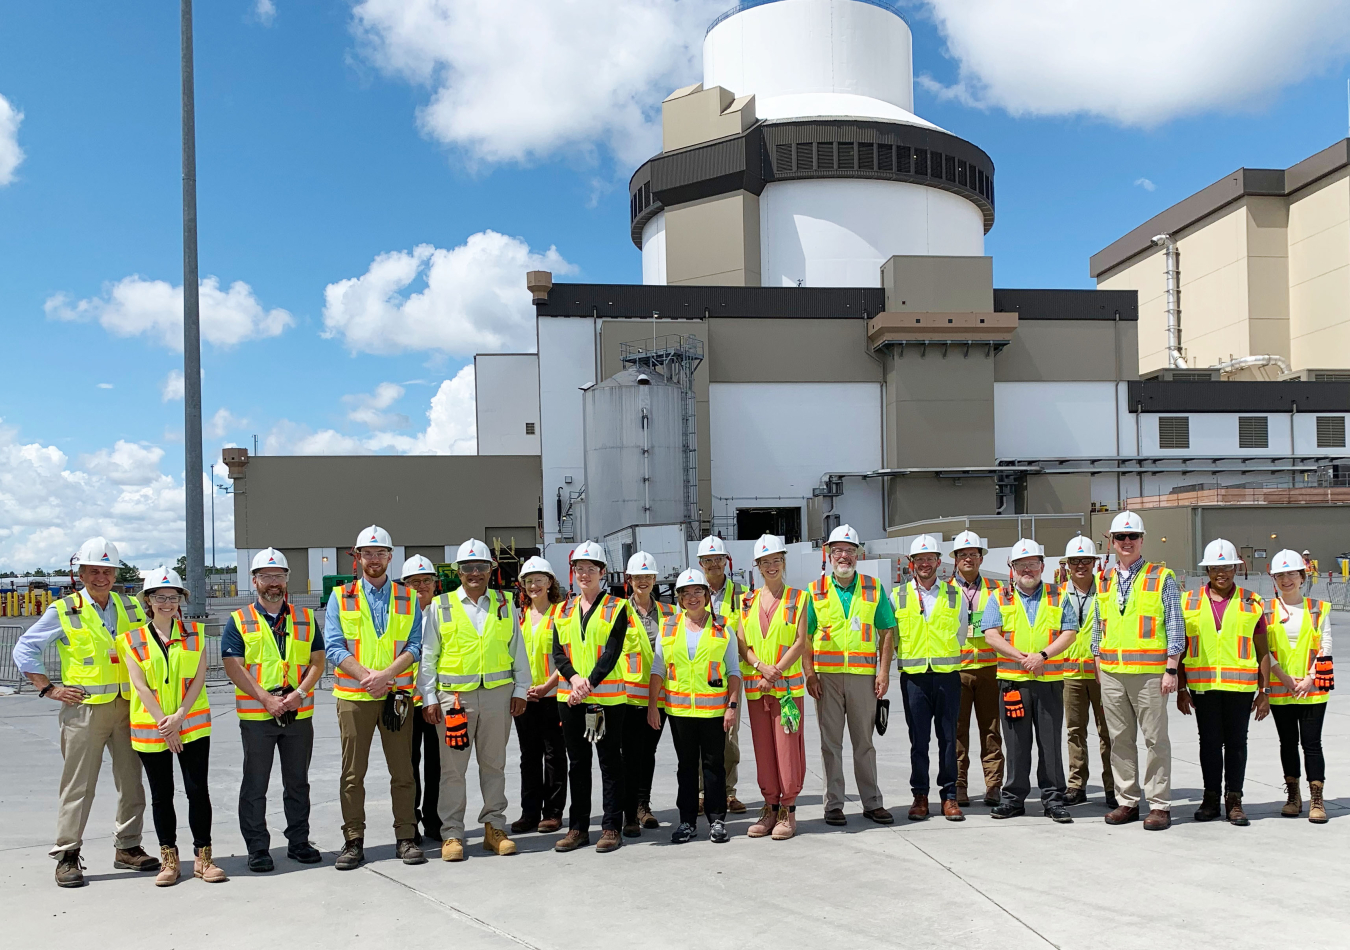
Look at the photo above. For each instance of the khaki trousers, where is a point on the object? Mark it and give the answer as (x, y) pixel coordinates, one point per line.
(357, 722)
(848, 699)
(489, 715)
(1079, 697)
(1134, 703)
(979, 691)
(86, 730)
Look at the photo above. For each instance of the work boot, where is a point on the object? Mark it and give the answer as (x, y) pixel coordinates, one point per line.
(787, 824)
(735, 805)
(70, 870)
(549, 825)
(1075, 796)
(1007, 810)
(1159, 819)
(352, 855)
(134, 859)
(919, 810)
(1058, 814)
(835, 816)
(525, 823)
(880, 815)
(1232, 804)
(1122, 815)
(609, 841)
(763, 825)
(452, 849)
(1209, 807)
(206, 869)
(572, 840)
(1317, 809)
(962, 796)
(1294, 806)
(260, 862)
(645, 817)
(496, 841)
(951, 810)
(992, 796)
(304, 852)
(632, 828)
(409, 852)
(168, 867)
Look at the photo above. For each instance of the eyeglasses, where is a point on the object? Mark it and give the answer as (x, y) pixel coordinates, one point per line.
(165, 599)
(580, 568)
(375, 554)
(270, 578)
(1128, 536)
(967, 554)
(474, 567)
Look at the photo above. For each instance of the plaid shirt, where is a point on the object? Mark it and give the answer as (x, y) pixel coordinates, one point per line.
(1173, 622)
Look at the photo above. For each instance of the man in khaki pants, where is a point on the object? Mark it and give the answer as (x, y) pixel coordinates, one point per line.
(95, 697)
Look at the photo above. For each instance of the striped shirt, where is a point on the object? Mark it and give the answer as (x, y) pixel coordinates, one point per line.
(1173, 622)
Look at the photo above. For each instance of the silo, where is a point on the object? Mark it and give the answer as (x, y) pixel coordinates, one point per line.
(634, 454)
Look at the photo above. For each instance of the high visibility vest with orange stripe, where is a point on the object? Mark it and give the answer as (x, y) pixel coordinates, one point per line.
(1077, 661)
(89, 651)
(169, 679)
(638, 653)
(1297, 660)
(469, 658)
(264, 663)
(538, 644)
(931, 643)
(1221, 658)
(728, 603)
(977, 654)
(688, 688)
(1133, 640)
(584, 653)
(1029, 637)
(845, 642)
(772, 645)
(371, 650)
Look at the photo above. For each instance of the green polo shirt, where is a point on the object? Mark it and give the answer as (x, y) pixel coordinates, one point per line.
(885, 618)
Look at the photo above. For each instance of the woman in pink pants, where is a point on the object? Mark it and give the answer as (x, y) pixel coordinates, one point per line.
(772, 635)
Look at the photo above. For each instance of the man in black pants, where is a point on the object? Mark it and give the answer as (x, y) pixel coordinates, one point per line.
(420, 574)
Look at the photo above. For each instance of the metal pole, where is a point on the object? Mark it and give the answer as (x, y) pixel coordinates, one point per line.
(213, 522)
(192, 354)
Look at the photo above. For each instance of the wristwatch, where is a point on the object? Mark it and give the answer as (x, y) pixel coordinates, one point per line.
(45, 690)
(1266, 690)
(731, 705)
(1044, 655)
(1171, 671)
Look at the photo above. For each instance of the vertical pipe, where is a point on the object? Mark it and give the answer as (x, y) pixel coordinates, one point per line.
(192, 354)
(1170, 257)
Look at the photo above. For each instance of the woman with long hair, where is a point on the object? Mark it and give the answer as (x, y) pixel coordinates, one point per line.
(640, 742)
(543, 754)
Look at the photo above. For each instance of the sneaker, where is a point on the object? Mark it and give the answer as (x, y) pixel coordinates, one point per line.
(1058, 814)
(572, 840)
(260, 862)
(684, 833)
(1002, 810)
(134, 859)
(304, 852)
(718, 833)
(609, 841)
(763, 826)
(352, 855)
(409, 852)
(645, 817)
(70, 870)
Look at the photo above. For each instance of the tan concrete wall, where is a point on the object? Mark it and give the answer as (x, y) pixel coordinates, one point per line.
(939, 411)
(938, 284)
(714, 241)
(790, 351)
(1069, 350)
(1058, 494)
(1267, 278)
(1319, 274)
(923, 497)
(693, 115)
(1167, 536)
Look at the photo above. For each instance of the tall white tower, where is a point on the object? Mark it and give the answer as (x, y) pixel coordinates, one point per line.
(799, 160)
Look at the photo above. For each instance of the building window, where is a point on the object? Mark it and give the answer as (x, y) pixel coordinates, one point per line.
(1331, 432)
(1174, 432)
(806, 154)
(1253, 432)
(529, 428)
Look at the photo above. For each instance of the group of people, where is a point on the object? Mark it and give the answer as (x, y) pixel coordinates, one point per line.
(443, 675)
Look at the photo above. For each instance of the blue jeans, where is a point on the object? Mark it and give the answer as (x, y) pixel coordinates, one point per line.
(932, 702)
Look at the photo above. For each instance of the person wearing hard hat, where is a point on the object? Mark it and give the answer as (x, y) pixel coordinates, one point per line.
(1301, 673)
(1221, 678)
(95, 708)
(421, 575)
(772, 640)
(477, 668)
(713, 560)
(591, 634)
(1138, 644)
(171, 719)
(272, 651)
(639, 742)
(1030, 624)
(928, 647)
(373, 642)
(979, 679)
(1082, 692)
(696, 677)
(543, 754)
(851, 625)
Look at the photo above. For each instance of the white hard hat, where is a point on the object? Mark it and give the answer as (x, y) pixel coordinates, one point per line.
(846, 534)
(373, 537)
(589, 551)
(164, 577)
(642, 563)
(537, 565)
(712, 546)
(969, 539)
(1220, 553)
(1127, 522)
(1287, 560)
(769, 544)
(693, 577)
(1024, 549)
(474, 550)
(269, 557)
(924, 544)
(417, 565)
(1080, 547)
(98, 552)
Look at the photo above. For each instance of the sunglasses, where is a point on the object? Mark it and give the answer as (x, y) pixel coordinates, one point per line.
(1129, 536)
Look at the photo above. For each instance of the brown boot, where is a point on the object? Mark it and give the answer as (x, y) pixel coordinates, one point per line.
(962, 796)
(919, 810)
(1294, 806)
(70, 870)
(952, 811)
(168, 867)
(787, 824)
(609, 841)
(1317, 809)
(495, 840)
(763, 826)
(206, 869)
(645, 817)
(1232, 804)
(572, 840)
(134, 859)
(549, 825)
(452, 849)
(1209, 807)
(1159, 819)
(735, 806)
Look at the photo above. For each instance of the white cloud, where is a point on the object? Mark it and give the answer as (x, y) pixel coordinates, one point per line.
(10, 153)
(265, 11)
(173, 386)
(135, 306)
(105, 385)
(1135, 62)
(126, 463)
(517, 80)
(223, 422)
(367, 409)
(475, 299)
(1145, 184)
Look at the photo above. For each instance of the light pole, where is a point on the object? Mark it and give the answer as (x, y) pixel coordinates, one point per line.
(192, 345)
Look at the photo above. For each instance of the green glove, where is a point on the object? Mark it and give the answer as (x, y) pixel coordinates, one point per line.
(789, 715)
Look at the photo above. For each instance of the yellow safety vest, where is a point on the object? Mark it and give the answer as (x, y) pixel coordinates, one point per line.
(728, 603)
(638, 653)
(1133, 640)
(538, 644)
(169, 678)
(264, 663)
(772, 645)
(471, 660)
(688, 689)
(584, 653)
(89, 657)
(373, 651)
(1031, 637)
(1077, 661)
(934, 643)
(845, 642)
(977, 654)
(1221, 658)
(1297, 660)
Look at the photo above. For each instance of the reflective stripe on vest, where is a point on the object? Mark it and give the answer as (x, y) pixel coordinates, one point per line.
(636, 661)
(931, 643)
(845, 643)
(584, 652)
(773, 645)
(1133, 640)
(687, 689)
(539, 644)
(1031, 637)
(264, 663)
(1077, 661)
(1223, 657)
(470, 659)
(372, 651)
(976, 653)
(1297, 660)
(169, 678)
(89, 651)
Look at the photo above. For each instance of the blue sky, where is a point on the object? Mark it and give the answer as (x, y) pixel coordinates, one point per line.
(317, 155)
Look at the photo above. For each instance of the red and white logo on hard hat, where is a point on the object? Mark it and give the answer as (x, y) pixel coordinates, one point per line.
(271, 559)
(105, 556)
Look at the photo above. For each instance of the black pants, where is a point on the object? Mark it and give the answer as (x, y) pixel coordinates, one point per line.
(1222, 717)
(932, 703)
(295, 744)
(639, 759)
(610, 752)
(426, 747)
(192, 762)
(700, 742)
(1301, 724)
(1043, 724)
(543, 760)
